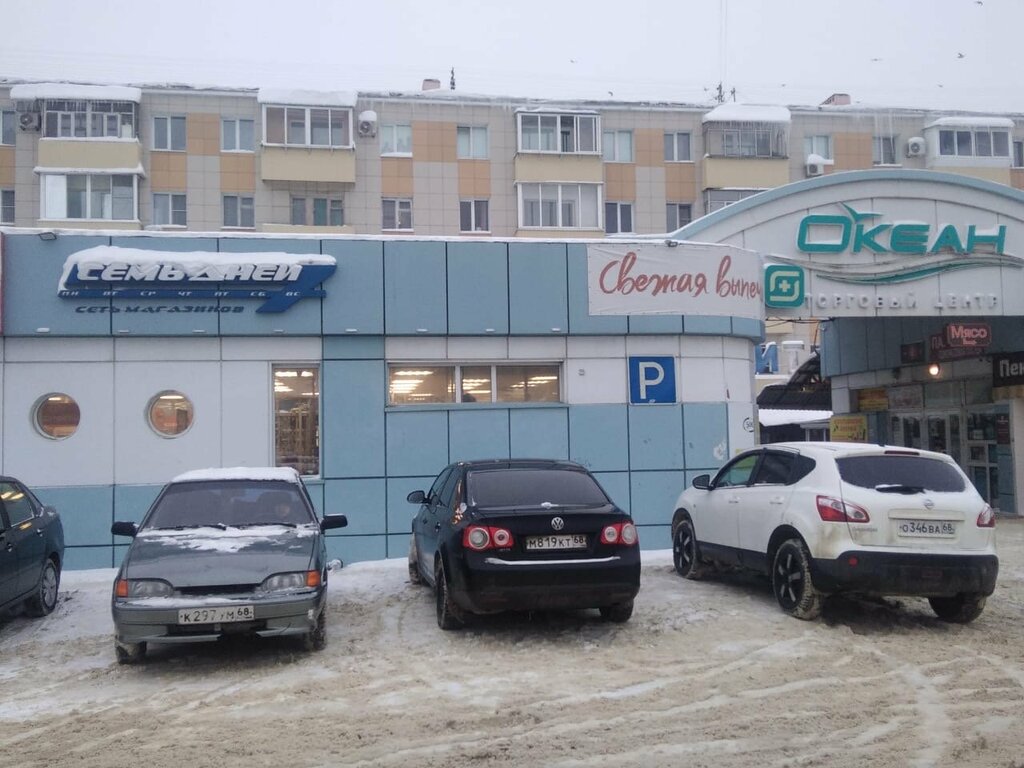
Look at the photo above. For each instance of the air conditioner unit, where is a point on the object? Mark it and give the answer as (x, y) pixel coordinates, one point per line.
(28, 121)
(815, 169)
(367, 123)
(916, 147)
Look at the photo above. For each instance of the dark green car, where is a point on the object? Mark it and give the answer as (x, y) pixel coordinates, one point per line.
(223, 552)
(31, 550)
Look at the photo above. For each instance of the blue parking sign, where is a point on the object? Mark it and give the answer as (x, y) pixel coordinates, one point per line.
(652, 380)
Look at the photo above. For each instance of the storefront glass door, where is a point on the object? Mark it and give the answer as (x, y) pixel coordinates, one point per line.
(944, 434)
(982, 454)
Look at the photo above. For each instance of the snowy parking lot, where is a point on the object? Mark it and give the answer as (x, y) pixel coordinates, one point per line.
(705, 674)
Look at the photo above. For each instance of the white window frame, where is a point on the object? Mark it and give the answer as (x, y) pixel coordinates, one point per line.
(878, 149)
(399, 205)
(673, 156)
(474, 207)
(8, 127)
(61, 114)
(619, 208)
(407, 371)
(168, 205)
(669, 227)
(54, 196)
(235, 130)
(552, 124)
(281, 374)
(476, 139)
(390, 140)
(345, 141)
(164, 133)
(242, 204)
(617, 146)
(956, 134)
(818, 144)
(561, 195)
(7, 206)
(711, 205)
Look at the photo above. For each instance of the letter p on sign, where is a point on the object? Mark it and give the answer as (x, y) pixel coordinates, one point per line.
(652, 380)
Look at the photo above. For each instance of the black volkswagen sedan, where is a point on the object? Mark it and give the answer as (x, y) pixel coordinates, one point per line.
(522, 534)
(223, 552)
(31, 550)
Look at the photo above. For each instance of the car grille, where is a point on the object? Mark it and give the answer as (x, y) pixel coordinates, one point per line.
(218, 589)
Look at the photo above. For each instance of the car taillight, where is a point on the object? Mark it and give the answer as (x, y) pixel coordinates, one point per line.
(987, 518)
(481, 537)
(834, 510)
(619, 533)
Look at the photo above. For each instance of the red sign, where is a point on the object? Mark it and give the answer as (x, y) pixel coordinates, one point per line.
(940, 349)
(978, 335)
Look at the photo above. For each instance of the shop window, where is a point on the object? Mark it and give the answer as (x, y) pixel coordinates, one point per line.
(56, 416)
(297, 418)
(415, 384)
(170, 413)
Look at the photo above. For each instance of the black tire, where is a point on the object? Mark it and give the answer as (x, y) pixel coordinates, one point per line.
(449, 615)
(316, 639)
(619, 613)
(959, 609)
(415, 577)
(44, 598)
(791, 581)
(686, 553)
(129, 653)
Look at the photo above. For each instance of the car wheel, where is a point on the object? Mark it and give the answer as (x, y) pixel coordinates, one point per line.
(619, 613)
(685, 554)
(415, 577)
(129, 653)
(791, 581)
(960, 609)
(44, 599)
(316, 639)
(449, 615)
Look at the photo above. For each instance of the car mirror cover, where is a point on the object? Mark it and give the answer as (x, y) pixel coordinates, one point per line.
(124, 528)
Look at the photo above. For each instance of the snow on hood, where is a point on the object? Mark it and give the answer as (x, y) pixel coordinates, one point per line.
(228, 540)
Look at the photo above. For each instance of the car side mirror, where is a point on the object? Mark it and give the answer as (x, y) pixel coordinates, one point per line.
(702, 482)
(333, 521)
(416, 497)
(124, 528)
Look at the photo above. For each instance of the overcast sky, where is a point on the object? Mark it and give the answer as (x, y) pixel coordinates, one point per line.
(945, 54)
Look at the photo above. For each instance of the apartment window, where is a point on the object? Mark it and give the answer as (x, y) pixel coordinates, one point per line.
(1018, 154)
(169, 209)
(396, 214)
(239, 212)
(169, 133)
(617, 146)
(677, 215)
(974, 142)
(297, 418)
(677, 147)
(65, 118)
(883, 150)
(88, 196)
(8, 124)
(558, 133)
(6, 206)
(416, 384)
(618, 217)
(318, 211)
(818, 145)
(755, 139)
(237, 135)
(395, 139)
(565, 206)
(306, 126)
(715, 199)
(473, 216)
(471, 143)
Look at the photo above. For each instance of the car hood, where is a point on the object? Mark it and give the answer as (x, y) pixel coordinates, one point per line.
(211, 556)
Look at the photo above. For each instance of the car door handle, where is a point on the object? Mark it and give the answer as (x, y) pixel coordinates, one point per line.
(777, 500)
(437, 526)
(734, 499)
(39, 531)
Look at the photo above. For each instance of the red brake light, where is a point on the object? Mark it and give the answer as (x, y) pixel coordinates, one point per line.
(619, 533)
(833, 510)
(986, 518)
(610, 534)
(481, 537)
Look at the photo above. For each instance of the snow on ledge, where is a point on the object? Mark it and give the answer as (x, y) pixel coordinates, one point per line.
(71, 91)
(971, 121)
(306, 98)
(108, 254)
(731, 112)
(286, 474)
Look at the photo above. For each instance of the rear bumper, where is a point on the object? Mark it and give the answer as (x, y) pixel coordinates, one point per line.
(902, 573)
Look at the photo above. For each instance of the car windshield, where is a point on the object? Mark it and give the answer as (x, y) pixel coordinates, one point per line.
(532, 488)
(230, 503)
(900, 474)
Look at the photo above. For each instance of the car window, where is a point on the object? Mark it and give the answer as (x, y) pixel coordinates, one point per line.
(17, 503)
(738, 472)
(449, 488)
(435, 489)
(533, 487)
(895, 471)
(230, 502)
(774, 469)
(802, 466)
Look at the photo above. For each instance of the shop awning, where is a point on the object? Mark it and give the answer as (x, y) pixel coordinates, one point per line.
(774, 417)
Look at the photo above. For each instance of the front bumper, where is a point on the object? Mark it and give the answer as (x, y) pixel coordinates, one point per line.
(907, 573)
(156, 620)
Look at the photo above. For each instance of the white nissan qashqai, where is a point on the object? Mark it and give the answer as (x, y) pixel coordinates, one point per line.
(821, 518)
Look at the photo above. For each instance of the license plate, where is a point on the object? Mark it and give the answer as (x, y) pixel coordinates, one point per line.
(925, 528)
(220, 615)
(557, 541)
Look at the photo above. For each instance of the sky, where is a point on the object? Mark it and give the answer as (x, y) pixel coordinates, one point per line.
(941, 54)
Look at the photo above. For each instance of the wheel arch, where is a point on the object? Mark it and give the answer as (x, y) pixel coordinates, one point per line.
(779, 535)
(681, 513)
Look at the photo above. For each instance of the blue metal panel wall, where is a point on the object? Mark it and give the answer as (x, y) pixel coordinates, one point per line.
(352, 414)
(541, 433)
(477, 434)
(478, 288)
(537, 289)
(580, 319)
(598, 437)
(355, 298)
(417, 442)
(415, 288)
(655, 437)
(706, 435)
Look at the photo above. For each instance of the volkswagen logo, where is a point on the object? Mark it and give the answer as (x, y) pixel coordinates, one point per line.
(557, 523)
(928, 504)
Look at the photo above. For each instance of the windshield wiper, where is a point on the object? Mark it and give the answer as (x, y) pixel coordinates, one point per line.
(188, 527)
(899, 488)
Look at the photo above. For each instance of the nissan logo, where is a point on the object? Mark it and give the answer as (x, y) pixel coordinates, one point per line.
(557, 523)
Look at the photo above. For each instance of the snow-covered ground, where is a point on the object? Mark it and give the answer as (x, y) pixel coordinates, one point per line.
(705, 674)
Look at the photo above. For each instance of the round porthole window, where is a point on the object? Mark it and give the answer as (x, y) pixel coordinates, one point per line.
(56, 416)
(170, 413)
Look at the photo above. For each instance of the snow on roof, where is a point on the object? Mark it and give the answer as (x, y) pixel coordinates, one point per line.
(969, 121)
(307, 98)
(731, 112)
(554, 109)
(72, 91)
(773, 417)
(286, 474)
(106, 254)
(138, 170)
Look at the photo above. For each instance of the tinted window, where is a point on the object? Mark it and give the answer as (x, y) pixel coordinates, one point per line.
(914, 471)
(231, 502)
(774, 470)
(737, 473)
(17, 503)
(532, 487)
(435, 489)
(802, 466)
(449, 488)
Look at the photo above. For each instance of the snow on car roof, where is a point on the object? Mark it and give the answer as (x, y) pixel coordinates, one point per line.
(287, 474)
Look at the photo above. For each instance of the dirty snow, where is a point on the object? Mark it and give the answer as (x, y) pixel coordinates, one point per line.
(705, 674)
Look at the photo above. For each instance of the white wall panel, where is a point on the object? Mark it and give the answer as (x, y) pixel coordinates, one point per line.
(740, 349)
(22, 350)
(279, 349)
(477, 348)
(701, 346)
(739, 380)
(702, 380)
(416, 348)
(652, 345)
(536, 348)
(166, 349)
(741, 427)
(603, 381)
(247, 414)
(596, 346)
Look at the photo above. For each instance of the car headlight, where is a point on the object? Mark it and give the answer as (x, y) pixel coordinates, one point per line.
(283, 582)
(143, 588)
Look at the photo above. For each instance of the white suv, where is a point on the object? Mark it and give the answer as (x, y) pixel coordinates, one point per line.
(822, 518)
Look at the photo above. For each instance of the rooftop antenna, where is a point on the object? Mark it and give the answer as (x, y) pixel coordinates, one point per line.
(451, 83)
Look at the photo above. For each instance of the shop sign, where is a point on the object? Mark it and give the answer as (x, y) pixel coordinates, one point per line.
(906, 397)
(1003, 428)
(681, 279)
(913, 353)
(974, 335)
(281, 279)
(849, 428)
(652, 380)
(1008, 369)
(875, 399)
(940, 349)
